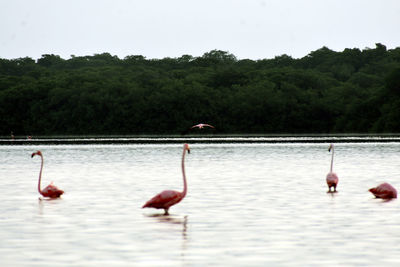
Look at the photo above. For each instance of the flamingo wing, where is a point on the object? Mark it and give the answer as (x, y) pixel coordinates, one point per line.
(332, 179)
(164, 200)
(197, 125)
(384, 191)
(202, 125)
(52, 191)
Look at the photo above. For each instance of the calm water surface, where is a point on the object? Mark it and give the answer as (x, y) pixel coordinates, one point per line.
(247, 205)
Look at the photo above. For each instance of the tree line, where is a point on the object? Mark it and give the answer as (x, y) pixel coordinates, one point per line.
(353, 91)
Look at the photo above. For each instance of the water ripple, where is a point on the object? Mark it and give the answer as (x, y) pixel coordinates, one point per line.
(248, 204)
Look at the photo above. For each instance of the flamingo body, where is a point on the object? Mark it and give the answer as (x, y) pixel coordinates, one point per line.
(332, 181)
(202, 125)
(168, 198)
(164, 200)
(385, 191)
(51, 190)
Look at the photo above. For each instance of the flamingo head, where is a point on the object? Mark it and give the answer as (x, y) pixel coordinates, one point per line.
(36, 153)
(330, 147)
(186, 147)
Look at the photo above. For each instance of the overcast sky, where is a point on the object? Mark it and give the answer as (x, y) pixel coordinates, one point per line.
(252, 29)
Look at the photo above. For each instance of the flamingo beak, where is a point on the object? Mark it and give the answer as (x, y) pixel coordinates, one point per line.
(188, 150)
(33, 154)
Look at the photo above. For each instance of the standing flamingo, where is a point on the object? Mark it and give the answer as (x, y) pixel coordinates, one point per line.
(385, 191)
(51, 190)
(331, 178)
(202, 125)
(168, 198)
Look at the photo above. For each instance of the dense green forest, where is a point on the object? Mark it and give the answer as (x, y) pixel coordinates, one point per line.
(353, 91)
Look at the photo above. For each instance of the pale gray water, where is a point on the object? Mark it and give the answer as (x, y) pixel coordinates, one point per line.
(247, 205)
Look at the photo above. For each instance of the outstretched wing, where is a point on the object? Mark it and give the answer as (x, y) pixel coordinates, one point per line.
(202, 125)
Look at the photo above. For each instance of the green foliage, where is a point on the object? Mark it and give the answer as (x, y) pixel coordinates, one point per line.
(324, 92)
(392, 81)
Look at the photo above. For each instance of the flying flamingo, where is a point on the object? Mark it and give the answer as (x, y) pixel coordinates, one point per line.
(168, 198)
(332, 179)
(385, 191)
(202, 125)
(51, 190)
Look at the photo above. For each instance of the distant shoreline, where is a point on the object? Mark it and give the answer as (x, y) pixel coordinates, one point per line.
(80, 140)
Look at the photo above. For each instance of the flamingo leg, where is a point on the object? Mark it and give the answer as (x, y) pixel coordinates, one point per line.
(334, 189)
(166, 211)
(329, 191)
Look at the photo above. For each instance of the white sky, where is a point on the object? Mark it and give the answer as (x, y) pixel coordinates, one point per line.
(253, 29)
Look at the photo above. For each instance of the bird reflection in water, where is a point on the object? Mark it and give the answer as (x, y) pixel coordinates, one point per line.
(332, 194)
(172, 220)
(47, 201)
(161, 218)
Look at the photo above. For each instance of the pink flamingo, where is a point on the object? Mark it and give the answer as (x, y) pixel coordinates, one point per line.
(202, 125)
(168, 198)
(331, 178)
(51, 190)
(385, 191)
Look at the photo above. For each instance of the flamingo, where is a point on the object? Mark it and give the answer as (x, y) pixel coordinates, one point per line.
(331, 178)
(202, 125)
(385, 191)
(51, 190)
(168, 198)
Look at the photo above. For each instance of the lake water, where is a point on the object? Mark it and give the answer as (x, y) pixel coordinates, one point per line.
(248, 204)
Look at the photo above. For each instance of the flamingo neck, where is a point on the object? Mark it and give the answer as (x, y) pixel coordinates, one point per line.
(40, 174)
(333, 151)
(183, 174)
